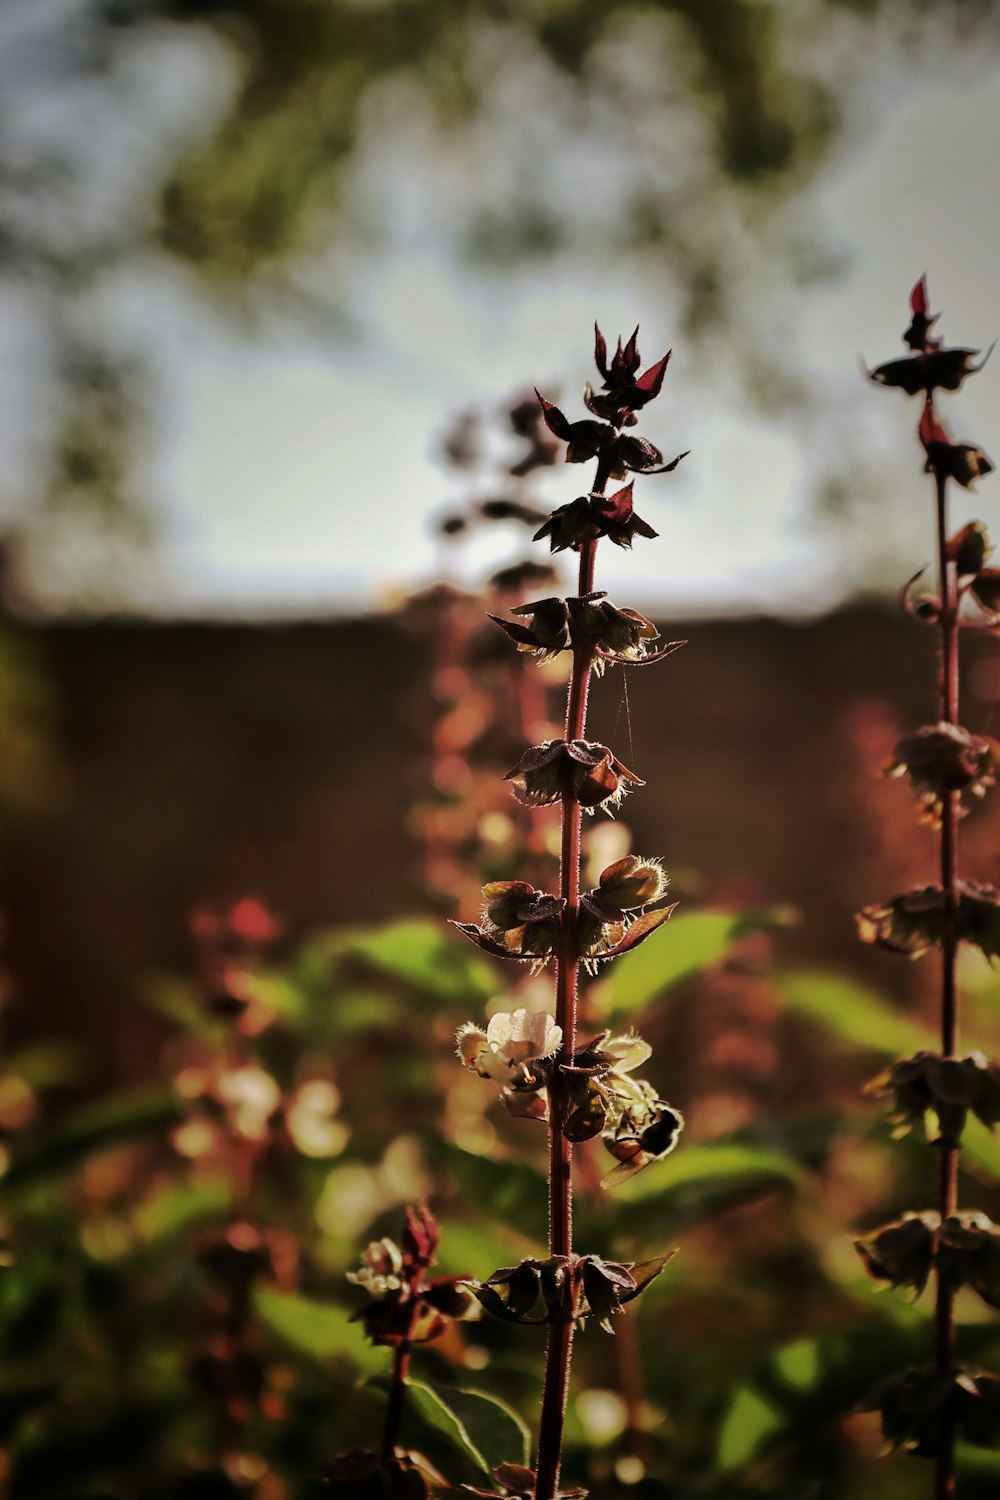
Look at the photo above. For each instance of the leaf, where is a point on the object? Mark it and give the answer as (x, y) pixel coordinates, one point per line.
(853, 1011)
(750, 1420)
(693, 941)
(179, 1205)
(485, 1429)
(321, 1330)
(516, 1192)
(645, 1271)
(639, 930)
(123, 1117)
(423, 956)
(982, 1146)
(45, 1064)
(696, 1183)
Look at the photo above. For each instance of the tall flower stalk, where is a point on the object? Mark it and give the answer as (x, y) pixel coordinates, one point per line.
(926, 1409)
(579, 1090)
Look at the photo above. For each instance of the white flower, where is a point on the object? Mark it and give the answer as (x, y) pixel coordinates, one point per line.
(381, 1265)
(511, 1040)
(628, 1052)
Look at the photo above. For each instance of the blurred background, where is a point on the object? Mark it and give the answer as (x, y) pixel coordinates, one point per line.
(274, 277)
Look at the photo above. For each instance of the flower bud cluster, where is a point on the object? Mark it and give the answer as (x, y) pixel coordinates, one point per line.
(578, 770)
(946, 1087)
(590, 1286)
(598, 1095)
(611, 634)
(406, 1306)
(519, 921)
(918, 920)
(934, 368)
(964, 1248)
(942, 758)
(921, 1410)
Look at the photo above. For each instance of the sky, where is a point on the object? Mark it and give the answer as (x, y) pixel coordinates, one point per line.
(298, 475)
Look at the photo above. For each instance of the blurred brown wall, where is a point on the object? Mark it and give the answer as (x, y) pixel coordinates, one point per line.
(198, 762)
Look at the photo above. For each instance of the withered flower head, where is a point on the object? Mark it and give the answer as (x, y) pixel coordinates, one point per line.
(923, 1411)
(942, 758)
(916, 921)
(630, 882)
(901, 1253)
(588, 773)
(946, 1087)
(963, 462)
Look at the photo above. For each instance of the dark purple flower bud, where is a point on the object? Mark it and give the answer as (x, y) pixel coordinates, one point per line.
(921, 319)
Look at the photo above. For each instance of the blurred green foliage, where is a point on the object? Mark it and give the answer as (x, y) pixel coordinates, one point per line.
(756, 1345)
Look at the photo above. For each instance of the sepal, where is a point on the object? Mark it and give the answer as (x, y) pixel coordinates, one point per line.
(942, 758)
(587, 772)
(921, 1409)
(948, 1087)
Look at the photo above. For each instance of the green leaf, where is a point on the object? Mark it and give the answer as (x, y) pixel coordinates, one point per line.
(696, 1183)
(486, 1430)
(45, 1064)
(982, 1145)
(515, 1192)
(424, 956)
(798, 1364)
(750, 1420)
(122, 1117)
(179, 1205)
(853, 1011)
(689, 943)
(321, 1330)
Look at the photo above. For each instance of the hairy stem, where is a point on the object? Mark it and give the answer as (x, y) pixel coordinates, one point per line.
(944, 1320)
(560, 1328)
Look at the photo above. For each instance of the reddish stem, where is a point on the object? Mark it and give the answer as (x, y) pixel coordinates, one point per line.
(944, 1319)
(560, 1328)
(397, 1385)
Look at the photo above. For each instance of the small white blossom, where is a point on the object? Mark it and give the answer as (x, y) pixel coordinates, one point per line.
(511, 1040)
(628, 1051)
(381, 1264)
